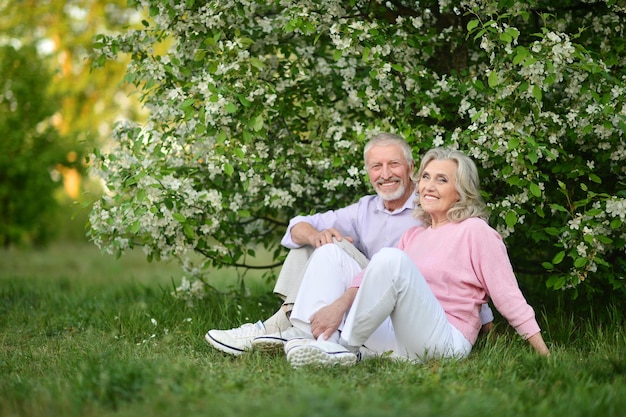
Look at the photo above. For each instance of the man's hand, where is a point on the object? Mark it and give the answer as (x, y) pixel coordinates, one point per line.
(326, 236)
(305, 234)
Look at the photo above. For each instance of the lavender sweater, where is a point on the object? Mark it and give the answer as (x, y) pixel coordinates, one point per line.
(464, 263)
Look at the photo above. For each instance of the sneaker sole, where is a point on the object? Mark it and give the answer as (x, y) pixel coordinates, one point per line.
(311, 355)
(222, 347)
(268, 345)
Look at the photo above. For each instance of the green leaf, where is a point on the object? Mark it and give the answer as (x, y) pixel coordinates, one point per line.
(244, 101)
(552, 231)
(398, 67)
(513, 180)
(472, 24)
(256, 63)
(547, 265)
(228, 169)
(506, 37)
(513, 143)
(556, 282)
(179, 217)
(511, 218)
(580, 262)
(189, 231)
(512, 32)
(141, 195)
(535, 190)
(134, 228)
(493, 79)
(558, 207)
(595, 178)
(521, 55)
(616, 224)
(480, 33)
(594, 212)
(366, 54)
(231, 108)
(537, 93)
(540, 212)
(200, 55)
(259, 122)
(558, 258)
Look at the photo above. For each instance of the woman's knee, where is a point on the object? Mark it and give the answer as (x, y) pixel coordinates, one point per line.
(387, 256)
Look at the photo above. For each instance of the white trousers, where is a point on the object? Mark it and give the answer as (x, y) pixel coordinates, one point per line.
(393, 288)
(297, 262)
(328, 275)
(291, 276)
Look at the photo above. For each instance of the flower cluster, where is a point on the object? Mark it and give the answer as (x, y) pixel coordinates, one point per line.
(259, 111)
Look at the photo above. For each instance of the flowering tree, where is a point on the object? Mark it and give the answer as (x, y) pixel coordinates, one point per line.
(259, 110)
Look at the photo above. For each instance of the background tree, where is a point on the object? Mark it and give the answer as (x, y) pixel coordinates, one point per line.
(76, 104)
(259, 110)
(29, 149)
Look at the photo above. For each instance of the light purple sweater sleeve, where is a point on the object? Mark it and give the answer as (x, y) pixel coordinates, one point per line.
(464, 264)
(367, 222)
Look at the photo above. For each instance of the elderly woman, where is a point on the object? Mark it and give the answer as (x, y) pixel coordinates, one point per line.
(431, 286)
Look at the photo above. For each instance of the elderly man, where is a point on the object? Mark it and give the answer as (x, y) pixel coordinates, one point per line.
(360, 230)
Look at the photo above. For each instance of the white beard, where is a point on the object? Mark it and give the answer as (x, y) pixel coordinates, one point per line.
(394, 195)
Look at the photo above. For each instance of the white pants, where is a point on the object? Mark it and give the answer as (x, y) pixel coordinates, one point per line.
(328, 275)
(297, 262)
(394, 288)
(291, 276)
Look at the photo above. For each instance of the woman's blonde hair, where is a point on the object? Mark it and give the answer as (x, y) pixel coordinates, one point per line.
(470, 203)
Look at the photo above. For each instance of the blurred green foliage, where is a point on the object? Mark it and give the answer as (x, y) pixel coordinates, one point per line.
(54, 110)
(29, 149)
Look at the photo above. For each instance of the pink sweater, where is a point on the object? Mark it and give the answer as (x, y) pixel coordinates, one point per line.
(464, 263)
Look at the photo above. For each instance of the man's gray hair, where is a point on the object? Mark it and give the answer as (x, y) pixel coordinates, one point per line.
(387, 139)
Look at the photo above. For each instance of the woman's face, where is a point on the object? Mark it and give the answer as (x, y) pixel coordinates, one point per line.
(437, 189)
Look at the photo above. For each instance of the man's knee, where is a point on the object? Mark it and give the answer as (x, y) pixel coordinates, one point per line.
(329, 249)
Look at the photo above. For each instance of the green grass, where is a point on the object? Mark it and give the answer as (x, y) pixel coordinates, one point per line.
(82, 334)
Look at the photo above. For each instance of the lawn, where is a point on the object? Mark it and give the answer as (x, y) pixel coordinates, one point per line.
(83, 334)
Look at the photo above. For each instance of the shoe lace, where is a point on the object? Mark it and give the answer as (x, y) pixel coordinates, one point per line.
(247, 329)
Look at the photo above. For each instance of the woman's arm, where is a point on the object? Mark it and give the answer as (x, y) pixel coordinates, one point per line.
(327, 319)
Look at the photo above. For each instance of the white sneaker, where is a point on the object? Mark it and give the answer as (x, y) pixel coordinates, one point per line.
(235, 341)
(320, 353)
(275, 342)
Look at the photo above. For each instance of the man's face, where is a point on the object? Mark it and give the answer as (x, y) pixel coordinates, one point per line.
(390, 173)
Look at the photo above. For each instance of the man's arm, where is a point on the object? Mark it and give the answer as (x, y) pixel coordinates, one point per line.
(304, 233)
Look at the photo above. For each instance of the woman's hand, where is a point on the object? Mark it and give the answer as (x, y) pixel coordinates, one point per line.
(327, 319)
(536, 341)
